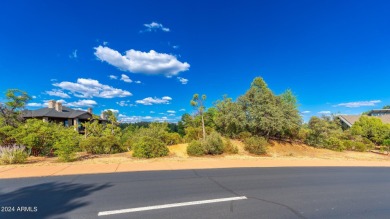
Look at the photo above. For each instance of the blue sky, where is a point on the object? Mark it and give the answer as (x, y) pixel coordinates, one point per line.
(334, 55)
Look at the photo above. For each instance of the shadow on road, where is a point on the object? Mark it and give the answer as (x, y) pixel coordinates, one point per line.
(50, 199)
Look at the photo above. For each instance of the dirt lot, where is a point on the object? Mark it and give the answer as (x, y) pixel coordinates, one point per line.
(276, 151)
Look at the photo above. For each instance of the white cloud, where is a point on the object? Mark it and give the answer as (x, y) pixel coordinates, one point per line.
(126, 78)
(34, 97)
(171, 111)
(182, 80)
(154, 26)
(73, 55)
(80, 103)
(105, 43)
(152, 112)
(359, 103)
(175, 46)
(132, 119)
(306, 112)
(151, 100)
(182, 110)
(88, 88)
(57, 93)
(152, 62)
(324, 112)
(124, 103)
(35, 104)
(137, 82)
(113, 77)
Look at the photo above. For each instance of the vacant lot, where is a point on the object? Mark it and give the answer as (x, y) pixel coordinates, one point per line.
(276, 151)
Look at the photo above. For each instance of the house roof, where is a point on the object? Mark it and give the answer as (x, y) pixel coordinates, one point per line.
(351, 119)
(384, 111)
(67, 113)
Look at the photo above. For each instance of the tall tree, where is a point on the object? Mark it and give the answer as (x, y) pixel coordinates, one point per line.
(10, 111)
(198, 104)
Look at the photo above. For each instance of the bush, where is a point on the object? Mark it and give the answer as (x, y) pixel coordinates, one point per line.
(172, 138)
(244, 135)
(195, 148)
(348, 145)
(148, 147)
(100, 145)
(13, 154)
(66, 144)
(335, 144)
(213, 144)
(229, 148)
(360, 146)
(256, 145)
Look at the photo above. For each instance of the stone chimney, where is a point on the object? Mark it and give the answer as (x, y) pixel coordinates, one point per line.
(90, 110)
(58, 106)
(102, 116)
(51, 104)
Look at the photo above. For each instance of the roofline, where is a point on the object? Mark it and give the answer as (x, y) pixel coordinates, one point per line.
(344, 120)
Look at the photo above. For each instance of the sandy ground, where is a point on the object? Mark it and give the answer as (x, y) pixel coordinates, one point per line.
(279, 155)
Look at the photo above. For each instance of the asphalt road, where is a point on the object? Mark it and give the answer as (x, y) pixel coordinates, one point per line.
(269, 193)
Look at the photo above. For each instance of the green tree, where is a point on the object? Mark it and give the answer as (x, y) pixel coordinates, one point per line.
(230, 119)
(370, 127)
(198, 104)
(292, 120)
(262, 110)
(10, 111)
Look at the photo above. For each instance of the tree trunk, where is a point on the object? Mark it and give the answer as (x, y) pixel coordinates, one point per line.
(204, 131)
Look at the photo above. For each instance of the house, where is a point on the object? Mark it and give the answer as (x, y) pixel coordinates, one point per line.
(348, 120)
(57, 113)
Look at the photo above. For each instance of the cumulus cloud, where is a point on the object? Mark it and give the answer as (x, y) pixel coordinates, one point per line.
(88, 88)
(80, 103)
(35, 104)
(324, 112)
(77, 104)
(305, 112)
(152, 112)
(155, 100)
(152, 62)
(154, 26)
(182, 80)
(124, 103)
(133, 119)
(57, 93)
(137, 82)
(126, 78)
(359, 103)
(113, 77)
(182, 110)
(171, 111)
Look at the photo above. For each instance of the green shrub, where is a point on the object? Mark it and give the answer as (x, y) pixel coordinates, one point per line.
(148, 147)
(348, 145)
(13, 154)
(101, 145)
(213, 144)
(172, 138)
(244, 135)
(229, 147)
(195, 148)
(335, 144)
(360, 146)
(66, 144)
(256, 145)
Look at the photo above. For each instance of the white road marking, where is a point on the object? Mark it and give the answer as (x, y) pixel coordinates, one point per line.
(174, 205)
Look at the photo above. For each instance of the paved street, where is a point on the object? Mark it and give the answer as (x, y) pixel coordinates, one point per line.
(299, 192)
